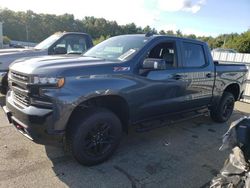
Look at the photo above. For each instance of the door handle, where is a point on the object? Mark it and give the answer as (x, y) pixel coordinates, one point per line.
(177, 77)
(209, 75)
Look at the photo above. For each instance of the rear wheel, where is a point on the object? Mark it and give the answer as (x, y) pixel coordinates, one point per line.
(223, 111)
(94, 137)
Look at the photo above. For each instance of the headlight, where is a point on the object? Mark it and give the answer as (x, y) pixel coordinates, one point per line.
(51, 81)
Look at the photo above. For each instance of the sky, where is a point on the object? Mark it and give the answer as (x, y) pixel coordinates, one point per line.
(200, 17)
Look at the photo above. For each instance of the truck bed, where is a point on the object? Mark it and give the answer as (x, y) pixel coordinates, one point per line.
(223, 66)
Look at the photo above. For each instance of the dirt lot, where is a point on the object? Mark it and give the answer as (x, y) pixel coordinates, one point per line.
(180, 155)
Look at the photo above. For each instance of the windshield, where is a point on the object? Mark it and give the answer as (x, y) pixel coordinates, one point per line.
(45, 44)
(118, 48)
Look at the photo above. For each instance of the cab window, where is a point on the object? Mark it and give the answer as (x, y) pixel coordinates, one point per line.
(165, 51)
(193, 55)
(71, 45)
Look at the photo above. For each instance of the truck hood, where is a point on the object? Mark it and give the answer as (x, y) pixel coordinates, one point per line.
(7, 56)
(13, 50)
(46, 64)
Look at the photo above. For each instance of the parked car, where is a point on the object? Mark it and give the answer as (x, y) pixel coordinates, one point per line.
(59, 43)
(87, 102)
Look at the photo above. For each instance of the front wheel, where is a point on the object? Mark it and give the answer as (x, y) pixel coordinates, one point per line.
(222, 111)
(94, 137)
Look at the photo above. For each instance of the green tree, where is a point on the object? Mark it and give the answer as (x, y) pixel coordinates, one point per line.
(179, 33)
(162, 32)
(170, 32)
(148, 29)
(243, 43)
(36, 27)
(100, 39)
(191, 36)
(130, 29)
(6, 40)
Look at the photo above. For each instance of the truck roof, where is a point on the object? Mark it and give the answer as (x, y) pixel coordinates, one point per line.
(155, 36)
(75, 33)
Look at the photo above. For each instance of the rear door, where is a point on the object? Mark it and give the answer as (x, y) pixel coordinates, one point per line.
(198, 74)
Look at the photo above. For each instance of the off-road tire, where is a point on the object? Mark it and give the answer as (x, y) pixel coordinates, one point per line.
(224, 109)
(82, 133)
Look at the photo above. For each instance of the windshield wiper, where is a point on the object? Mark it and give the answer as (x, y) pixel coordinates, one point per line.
(90, 56)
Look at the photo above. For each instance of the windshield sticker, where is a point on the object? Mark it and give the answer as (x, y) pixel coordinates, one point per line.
(113, 49)
(127, 54)
(119, 69)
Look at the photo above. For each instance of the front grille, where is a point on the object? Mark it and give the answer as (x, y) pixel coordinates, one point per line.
(18, 83)
(20, 77)
(21, 99)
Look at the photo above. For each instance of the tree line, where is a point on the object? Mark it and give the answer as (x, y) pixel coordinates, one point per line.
(33, 27)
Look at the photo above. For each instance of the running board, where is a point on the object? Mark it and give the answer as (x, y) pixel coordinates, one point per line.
(168, 120)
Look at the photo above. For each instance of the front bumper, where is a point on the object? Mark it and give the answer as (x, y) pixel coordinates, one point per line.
(33, 122)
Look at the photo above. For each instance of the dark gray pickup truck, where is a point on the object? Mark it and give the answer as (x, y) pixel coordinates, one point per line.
(87, 102)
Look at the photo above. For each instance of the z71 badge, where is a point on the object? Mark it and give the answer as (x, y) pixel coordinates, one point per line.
(119, 69)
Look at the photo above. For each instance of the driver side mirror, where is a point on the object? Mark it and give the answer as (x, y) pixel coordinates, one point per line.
(154, 64)
(60, 50)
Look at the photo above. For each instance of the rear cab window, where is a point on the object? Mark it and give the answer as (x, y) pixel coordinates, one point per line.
(193, 55)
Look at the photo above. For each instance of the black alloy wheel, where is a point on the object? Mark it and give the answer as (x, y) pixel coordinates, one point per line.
(99, 139)
(228, 108)
(224, 109)
(94, 135)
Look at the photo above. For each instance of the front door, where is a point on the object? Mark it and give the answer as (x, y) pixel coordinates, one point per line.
(164, 90)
